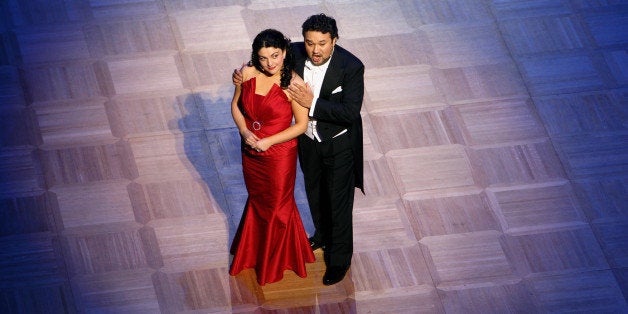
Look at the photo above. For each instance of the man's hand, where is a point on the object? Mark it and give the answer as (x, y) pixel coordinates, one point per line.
(301, 92)
(236, 77)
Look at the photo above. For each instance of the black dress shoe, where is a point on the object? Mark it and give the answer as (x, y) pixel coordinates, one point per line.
(315, 245)
(334, 275)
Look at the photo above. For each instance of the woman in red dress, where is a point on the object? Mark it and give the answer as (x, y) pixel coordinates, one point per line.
(271, 237)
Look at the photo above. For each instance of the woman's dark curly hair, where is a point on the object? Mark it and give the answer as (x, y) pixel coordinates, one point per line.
(320, 23)
(275, 39)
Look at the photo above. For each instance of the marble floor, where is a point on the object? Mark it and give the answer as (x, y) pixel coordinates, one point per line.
(496, 157)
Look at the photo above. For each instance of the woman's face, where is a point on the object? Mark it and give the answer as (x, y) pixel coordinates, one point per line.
(271, 59)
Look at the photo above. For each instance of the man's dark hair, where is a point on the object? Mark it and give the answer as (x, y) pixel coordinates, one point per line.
(320, 23)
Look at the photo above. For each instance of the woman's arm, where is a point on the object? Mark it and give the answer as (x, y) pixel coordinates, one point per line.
(237, 115)
(247, 136)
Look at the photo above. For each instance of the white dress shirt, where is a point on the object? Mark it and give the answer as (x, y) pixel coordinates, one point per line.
(314, 75)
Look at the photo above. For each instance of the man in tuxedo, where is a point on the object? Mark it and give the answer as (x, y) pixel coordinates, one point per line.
(330, 151)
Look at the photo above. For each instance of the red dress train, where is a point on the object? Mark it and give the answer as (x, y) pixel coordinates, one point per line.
(271, 237)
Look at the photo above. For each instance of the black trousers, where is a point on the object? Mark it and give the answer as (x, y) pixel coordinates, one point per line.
(329, 184)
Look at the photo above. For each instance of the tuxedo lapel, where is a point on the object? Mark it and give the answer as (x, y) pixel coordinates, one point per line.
(332, 76)
(298, 50)
(299, 66)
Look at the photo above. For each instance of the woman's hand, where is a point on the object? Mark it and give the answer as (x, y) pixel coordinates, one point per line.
(262, 145)
(249, 138)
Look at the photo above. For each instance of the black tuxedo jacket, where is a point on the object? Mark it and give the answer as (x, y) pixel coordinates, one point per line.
(338, 110)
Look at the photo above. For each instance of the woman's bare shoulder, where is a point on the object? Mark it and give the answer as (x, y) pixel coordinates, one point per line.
(248, 72)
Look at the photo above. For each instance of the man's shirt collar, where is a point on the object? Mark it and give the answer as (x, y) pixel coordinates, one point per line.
(323, 67)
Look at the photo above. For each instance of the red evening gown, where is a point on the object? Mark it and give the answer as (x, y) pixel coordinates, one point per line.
(271, 237)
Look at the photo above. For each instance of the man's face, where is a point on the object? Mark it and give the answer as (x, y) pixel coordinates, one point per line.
(319, 46)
